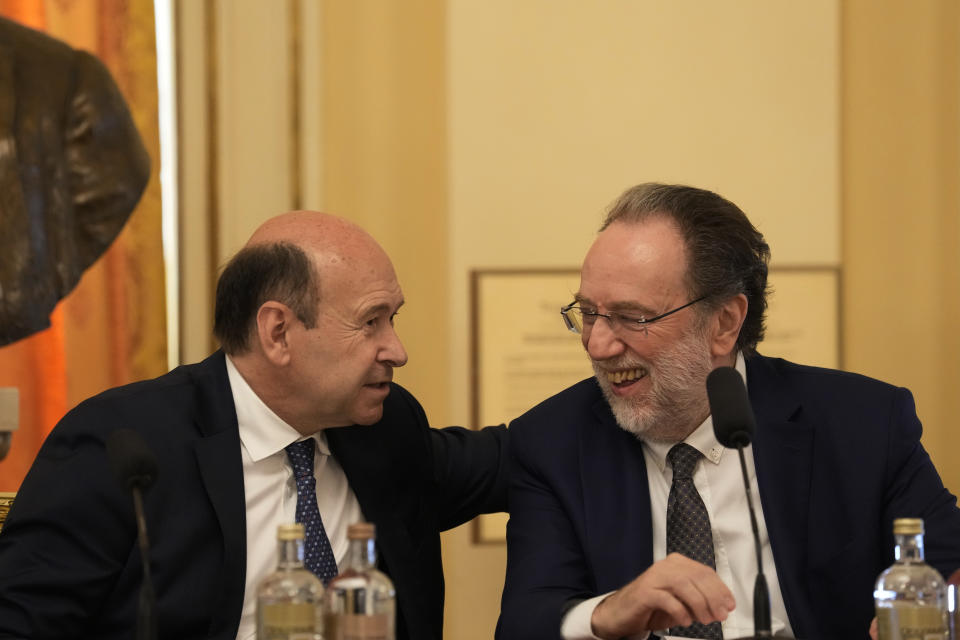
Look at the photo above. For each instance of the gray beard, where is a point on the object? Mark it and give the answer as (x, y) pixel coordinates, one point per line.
(677, 401)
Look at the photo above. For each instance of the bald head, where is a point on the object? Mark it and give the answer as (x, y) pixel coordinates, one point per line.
(325, 238)
(287, 259)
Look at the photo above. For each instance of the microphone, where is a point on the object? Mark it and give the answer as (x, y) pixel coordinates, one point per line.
(733, 421)
(733, 425)
(136, 468)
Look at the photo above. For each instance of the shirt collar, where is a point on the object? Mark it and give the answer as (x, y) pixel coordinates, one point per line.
(262, 432)
(702, 439)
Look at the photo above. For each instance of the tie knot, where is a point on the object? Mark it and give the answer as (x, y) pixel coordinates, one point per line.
(683, 458)
(300, 455)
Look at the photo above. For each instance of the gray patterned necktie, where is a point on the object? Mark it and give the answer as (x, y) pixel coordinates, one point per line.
(688, 527)
(317, 553)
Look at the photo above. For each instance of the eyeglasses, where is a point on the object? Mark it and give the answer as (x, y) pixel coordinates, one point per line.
(579, 320)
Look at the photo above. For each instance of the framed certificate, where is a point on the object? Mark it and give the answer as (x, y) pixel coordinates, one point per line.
(521, 353)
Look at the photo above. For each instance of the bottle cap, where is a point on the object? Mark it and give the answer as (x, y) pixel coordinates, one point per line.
(361, 531)
(290, 532)
(908, 526)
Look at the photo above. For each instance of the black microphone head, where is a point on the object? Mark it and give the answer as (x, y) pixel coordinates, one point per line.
(733, 421)
(132, 462)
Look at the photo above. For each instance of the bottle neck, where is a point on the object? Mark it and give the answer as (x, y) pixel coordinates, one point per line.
(909, 548)
(290, 554)
(362, 555)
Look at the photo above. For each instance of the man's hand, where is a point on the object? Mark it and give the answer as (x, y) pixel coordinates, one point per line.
(675, 591)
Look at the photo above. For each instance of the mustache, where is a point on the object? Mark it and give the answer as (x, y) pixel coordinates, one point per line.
(620, 362)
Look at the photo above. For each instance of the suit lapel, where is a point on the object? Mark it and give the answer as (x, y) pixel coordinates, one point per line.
(616, 500)
(221, 467)
(783, 456)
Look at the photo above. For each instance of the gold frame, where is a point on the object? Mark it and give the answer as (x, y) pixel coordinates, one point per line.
(6, 501)
(535, 368)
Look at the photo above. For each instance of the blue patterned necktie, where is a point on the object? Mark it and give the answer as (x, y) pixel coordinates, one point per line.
(688, 527)
(317, 553)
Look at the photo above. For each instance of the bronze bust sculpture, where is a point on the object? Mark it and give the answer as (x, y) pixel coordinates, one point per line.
(72, 168)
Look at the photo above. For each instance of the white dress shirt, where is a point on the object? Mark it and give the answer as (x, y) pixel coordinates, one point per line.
(719, 481)
(270, 491)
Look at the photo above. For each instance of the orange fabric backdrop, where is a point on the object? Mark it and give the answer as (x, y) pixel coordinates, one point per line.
(112, 328)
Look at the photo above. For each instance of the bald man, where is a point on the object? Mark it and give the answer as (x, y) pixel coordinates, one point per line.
(305, 316)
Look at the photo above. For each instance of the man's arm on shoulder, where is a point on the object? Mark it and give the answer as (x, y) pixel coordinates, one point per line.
(467, 469)
(470, 469)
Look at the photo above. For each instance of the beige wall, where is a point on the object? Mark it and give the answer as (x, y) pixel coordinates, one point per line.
(901, 223)
(384, 150)
(492, 134)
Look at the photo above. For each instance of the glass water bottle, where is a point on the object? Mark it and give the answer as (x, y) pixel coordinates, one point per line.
(290, 600)
(360, 603)
(911, 596)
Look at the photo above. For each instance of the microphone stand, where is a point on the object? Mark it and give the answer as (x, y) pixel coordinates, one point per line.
(136, 469)
(146, 616)
(761, 593)
(733, 425)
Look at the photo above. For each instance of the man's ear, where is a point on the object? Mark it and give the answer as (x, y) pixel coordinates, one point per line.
(274, 321)
(726, 326)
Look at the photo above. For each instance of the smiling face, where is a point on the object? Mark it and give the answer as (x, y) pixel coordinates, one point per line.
(654, 380)
(340, 370)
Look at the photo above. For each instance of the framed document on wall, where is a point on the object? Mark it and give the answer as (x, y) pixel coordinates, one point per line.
(521, 353)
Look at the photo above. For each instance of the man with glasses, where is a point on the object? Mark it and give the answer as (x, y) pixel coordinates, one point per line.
(629, 517)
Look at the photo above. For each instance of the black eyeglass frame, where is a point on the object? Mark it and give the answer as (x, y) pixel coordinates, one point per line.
(617, 319)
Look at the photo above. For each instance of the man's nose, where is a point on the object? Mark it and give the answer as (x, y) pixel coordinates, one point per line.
(601, 342)
(393, 352)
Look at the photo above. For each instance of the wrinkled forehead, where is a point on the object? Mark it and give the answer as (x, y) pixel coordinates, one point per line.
(353, 263)
(645, 256)
(356, 275)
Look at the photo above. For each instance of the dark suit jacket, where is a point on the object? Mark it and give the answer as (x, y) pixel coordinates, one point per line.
(69, 565)
(72, 168)
(837, 456)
